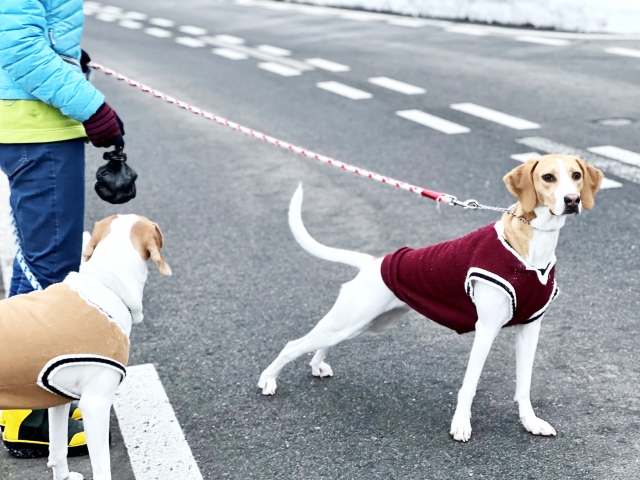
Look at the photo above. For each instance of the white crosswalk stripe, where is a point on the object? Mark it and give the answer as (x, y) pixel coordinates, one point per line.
(158, 32)
(230, 39)
(327, 65)
(230, 54)
(607, 183)
(431, 121)
(620, 154)
(397, 85)
(625, 52)
(132, 24)
(614, 167)
(279, 69)
(191, 30)
(344, 90)
(190, 42)
(275, 51)
(162, 22)
(495, 116)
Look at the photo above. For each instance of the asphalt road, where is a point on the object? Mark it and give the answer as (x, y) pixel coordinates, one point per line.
(242, 287)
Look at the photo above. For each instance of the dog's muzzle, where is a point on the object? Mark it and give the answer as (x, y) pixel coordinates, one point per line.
(571, 204)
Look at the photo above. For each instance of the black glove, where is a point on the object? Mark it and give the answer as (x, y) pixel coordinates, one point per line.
(84, 63)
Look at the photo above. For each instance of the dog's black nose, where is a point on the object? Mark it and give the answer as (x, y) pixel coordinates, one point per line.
(572, 200)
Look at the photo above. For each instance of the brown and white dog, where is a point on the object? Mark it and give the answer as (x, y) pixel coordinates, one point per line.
(73, 341)
(548, 189)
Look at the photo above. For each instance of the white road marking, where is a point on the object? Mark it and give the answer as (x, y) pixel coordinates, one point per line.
(627, 172)
(620, 154)
(255, 53)
(556, 42)
(606, 184)
(359, 16)
(190, 42)
(467, 30)
(431, 121)
(155, 442)
(279, 69)
(158, 32)
(7, 245)
(135, 15)
(397, 85)
(191, 30)
(495, 116)
(107, 17)
(162, 22)
(275, 51)
(626, 52)
(111, 9)
(327, 65)
(92, 4)
(132, 24)
(230, 54)
(230, 39)
(279, 6)
(344, 90)
(406, 22)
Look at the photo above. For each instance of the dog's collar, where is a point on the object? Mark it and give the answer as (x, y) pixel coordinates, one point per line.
(527, 222)
(113, 283)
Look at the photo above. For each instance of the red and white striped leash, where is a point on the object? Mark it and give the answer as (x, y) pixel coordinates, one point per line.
(437, 196)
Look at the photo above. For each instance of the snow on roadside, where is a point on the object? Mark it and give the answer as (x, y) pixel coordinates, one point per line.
(604, 16)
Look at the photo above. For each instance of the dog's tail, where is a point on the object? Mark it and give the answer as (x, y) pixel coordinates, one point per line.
(316, 249)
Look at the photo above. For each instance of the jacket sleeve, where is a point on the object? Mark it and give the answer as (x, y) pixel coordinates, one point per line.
(28, 59)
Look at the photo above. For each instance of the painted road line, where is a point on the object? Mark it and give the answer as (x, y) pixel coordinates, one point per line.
(107, 17)
(132, 24)
(162, 22)
(606, 184)
(431, 121)
(111, 9)
(155, 442)
(230, 39)
(467, 30)
(626, 52)
(279, 69)
(255, 53)
(555, 42)
(620, 154)
(7, 246)
(230, 54)
(135, 16)
(397, 85)
(191, 30)
(406, 22)
(359, 16)
(614, 167)
(158, 32)
(275, 51)
(495, 116)
(190, 42)
(344, 90)
(327, 65)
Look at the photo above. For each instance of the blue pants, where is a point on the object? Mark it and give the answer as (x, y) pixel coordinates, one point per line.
(47, 198)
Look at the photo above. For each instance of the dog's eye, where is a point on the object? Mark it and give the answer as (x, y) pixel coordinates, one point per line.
(548, 178)
(576, 175)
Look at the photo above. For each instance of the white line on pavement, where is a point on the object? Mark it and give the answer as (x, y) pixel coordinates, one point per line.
(495, 116)
(255, 53)
(344, 90)
(327, 65)
(627, 172)
(359, 16)
(620, 154)
(155, 442)
(275, 51)
(279, 69)
(112, 9)
(467, 30)
(230, 54)
(406, 22)
(157, 32)
(190, 42)
(397, 85)
(606, 184)
(132, 24)
(626, 52)
(107, 17)
(230, 39)
(431, 121)
(191, 30)
(556, 42)
(135, 15)
(162, 22)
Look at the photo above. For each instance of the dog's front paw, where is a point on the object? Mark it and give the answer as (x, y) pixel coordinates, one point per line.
(267, 385)
(74, 476)
(322, 370)
(537, 426)
(461, 428)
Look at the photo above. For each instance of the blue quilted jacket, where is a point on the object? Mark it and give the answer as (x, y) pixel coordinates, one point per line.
(40, 54)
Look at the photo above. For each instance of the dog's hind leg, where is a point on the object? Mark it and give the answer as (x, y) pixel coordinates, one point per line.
(58, 443)
(360, 301)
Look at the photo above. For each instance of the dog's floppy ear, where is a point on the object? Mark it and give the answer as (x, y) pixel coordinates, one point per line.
(154, 248)
(591, 181)
(147, 240)
(100, 230)
(519, 182)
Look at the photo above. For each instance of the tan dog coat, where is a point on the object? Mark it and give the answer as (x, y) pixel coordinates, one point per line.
(44, 331)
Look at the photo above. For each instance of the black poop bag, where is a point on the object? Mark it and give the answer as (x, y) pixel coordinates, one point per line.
(116, 181)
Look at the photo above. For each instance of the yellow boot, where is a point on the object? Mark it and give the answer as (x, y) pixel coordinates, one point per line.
(26, 434)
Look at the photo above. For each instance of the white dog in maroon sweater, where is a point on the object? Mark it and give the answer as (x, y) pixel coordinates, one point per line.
(497, 276)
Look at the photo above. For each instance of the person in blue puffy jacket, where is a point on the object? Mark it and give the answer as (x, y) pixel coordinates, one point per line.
(47, 110)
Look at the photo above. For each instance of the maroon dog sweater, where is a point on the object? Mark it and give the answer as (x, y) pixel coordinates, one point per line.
(437, 281)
